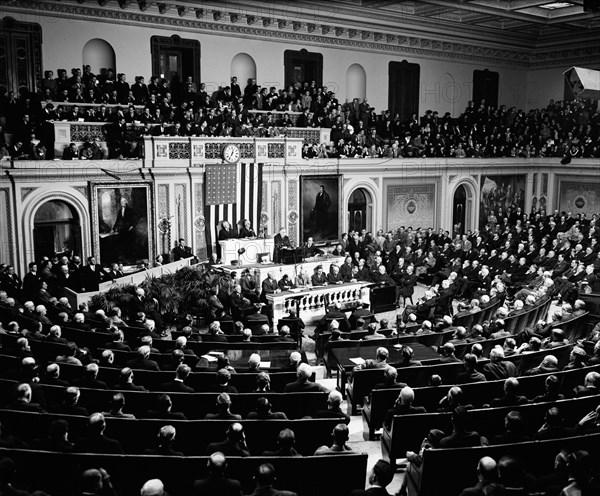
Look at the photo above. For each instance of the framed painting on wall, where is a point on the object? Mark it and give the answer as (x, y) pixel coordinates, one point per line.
(320, 207)
(122, 222)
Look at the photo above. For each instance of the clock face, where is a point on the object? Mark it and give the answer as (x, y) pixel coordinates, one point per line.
(231, 154)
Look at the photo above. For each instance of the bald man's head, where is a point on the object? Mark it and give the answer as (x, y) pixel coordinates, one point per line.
(153, 487)
(407, 396)
(486, 468)
(217, 463)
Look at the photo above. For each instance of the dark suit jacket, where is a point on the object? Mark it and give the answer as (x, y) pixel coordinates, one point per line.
(318, 280)
(176, 387)
(269, 286)
(142, 364)
(228, 448)
(90, 279)
(98, 444)
(247, 233)
(372, 491)
(216, 486)
(225, 234)
(301, 386)
(90, 383)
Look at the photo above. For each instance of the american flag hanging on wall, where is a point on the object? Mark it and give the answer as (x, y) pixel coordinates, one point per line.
(233, 193)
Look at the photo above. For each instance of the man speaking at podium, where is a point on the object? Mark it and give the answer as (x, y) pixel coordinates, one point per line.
(282, 244)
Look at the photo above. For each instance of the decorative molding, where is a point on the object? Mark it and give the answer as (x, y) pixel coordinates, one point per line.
(292, 194)
(163, 211)
(200, 221)
(276, 204)
(375, 180)
(181, 210)
(82, 190)
(9, 225)
(25, 192)
(416, 45)
(83, 211)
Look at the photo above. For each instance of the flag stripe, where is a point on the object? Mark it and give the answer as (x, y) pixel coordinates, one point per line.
(248, 197)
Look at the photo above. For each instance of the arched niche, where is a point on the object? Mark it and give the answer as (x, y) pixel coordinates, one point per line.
(243, 67)
(360, 210)
(463, 208)
(56, 229)
(99, 54)
(356, 82)
(77, 210)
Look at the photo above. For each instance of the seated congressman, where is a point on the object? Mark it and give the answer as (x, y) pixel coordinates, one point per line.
(246, 230)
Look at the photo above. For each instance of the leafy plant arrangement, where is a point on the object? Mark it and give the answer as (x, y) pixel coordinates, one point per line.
(182, 292)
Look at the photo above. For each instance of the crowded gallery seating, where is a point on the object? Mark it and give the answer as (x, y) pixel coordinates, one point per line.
(300, 249)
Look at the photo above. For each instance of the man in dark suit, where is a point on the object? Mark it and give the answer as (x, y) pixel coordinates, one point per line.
(92, 275)
(31, 281)
(320, 210)
(126, 381)
(142, 361)
(246, 230)
(52, 376)
(163, 410)
(248, 285)
(226, 232)
(269, 286)
(240, 305)
(302, 383)
(181, 251)
(361, 312)
(69, 404)
(216, 484)
(11, 283)
(337, 314)
(177, 385)
(90, 378)
(215, 334)
(96, 441)
(125, 226)
(234, 445)
(319, 278)
(334, 400)
(281, 240)
(380, 477)
(23, 401)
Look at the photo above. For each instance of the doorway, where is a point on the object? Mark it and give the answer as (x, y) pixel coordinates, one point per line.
(360, 210)
(56, 230)
(20, 56)
(301, 66)
(174, 59)
(463, 209)
(403, 91)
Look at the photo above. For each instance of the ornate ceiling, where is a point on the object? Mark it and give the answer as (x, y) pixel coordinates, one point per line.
(526, 33)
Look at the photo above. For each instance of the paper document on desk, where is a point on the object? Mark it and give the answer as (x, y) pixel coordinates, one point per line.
(357, 360)
(264, 365)
(209, 358)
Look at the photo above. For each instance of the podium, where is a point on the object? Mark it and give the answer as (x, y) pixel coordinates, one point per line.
(253, 248)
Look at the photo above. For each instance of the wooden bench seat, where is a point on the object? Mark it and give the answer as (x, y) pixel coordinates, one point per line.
(59, 473)
(408, 431)
(192, 405)
(446, 472)
(193, 436)
(476, 394)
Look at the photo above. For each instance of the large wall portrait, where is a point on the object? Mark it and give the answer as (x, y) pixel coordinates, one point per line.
(122, 222)
(320, 207)
(498, 195)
